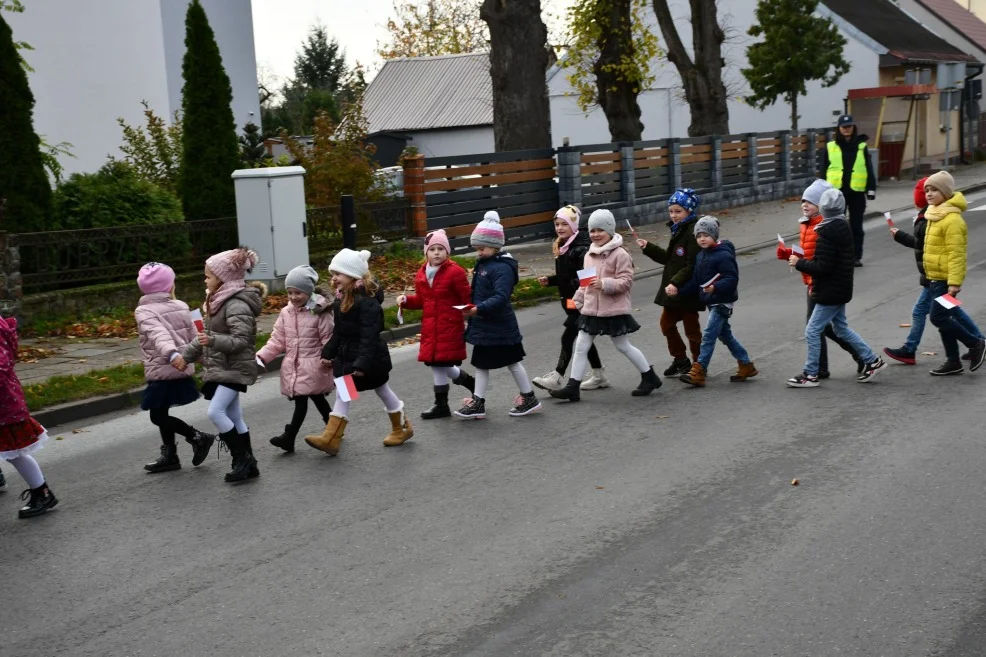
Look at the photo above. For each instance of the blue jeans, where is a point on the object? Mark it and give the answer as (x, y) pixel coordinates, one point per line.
(952, 330)
(919, 314)
(717, 328)
(821, 317)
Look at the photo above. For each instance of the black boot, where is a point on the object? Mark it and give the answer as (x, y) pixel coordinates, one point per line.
(254, 470)
(243, 461)
(465, 380)
(441, 407)
(571, 391)
(286, 440)
(167, 462)
(649, 382)
(201, 444)
(41, 499)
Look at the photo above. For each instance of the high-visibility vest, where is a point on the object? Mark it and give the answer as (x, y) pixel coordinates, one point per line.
(857, 179)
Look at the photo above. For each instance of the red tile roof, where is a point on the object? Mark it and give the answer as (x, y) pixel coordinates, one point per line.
(959, 19)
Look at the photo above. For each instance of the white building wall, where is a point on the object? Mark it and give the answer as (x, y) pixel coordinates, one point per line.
(453, 141)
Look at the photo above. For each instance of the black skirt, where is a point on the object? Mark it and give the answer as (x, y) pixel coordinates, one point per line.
(611, 326)
(209, 389)
(165, 394)
(493, 357)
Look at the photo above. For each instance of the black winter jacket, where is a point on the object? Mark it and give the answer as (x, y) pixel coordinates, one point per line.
(916, 242)
(831, 269)
(720, 259)
(356, 343)
(678, 260)
(567, 266)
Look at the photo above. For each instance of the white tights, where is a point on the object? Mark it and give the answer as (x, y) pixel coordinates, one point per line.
(622, 343)
(29, 469)
(390, 402)
(520, 378)
(443, 375)
(225, 411)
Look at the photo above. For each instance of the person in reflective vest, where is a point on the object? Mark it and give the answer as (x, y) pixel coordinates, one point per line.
(846, 165)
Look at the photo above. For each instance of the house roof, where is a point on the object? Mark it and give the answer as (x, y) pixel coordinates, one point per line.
(424, 93)
(904, 38)
(959, 19)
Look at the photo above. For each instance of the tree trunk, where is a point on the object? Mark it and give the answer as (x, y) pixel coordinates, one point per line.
(618, 98)
(518, 64)
(701, 78)
(794, 111)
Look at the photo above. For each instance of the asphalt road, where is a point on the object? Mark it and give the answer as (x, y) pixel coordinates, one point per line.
(665, 525)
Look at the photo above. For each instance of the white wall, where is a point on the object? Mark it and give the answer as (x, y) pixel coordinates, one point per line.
(816, 109)
(453, 141)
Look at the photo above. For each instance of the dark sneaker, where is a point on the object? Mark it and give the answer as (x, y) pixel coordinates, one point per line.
(525, 404)
(976, 355)
(201, 444)
(802, 381)
(858, 263)
(860, 366)
(472, 409)
(967, 355)
(678, 367)
(41, 499)
(3, 483)
(902, 355)
(870, 370)
(947, 368)
(824, 374)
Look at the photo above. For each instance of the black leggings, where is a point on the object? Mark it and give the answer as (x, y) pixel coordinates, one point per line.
(301, 409)
(568, 343)
(169, 426)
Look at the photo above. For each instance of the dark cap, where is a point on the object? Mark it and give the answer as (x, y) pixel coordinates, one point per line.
(846, 119)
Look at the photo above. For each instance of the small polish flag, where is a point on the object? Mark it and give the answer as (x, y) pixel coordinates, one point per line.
(711, 280)
(890, 222)
(346, 388)
(586, 276)
(797, 250)
(948, 301)
(635, 236)
(197, 320)
(468, 305)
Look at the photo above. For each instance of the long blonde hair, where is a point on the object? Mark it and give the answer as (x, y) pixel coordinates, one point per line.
(368, 283)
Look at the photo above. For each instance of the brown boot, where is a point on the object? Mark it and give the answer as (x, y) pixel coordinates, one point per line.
(331, 438)
(744, 371)
(400, 429)
(695, 376)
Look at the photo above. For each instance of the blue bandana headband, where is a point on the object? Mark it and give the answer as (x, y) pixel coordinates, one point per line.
(688, 199)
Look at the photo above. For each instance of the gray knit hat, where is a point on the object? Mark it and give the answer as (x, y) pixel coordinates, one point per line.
(709, 225)
(489, 232)
(604, 220)
(302, 278)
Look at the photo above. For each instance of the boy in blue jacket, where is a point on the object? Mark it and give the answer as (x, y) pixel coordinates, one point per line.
(715, 279)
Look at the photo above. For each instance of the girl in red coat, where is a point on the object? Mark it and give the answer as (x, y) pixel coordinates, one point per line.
(439, 285)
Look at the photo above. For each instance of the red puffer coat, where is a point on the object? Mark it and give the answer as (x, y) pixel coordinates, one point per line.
(442, 326)
(13, 408)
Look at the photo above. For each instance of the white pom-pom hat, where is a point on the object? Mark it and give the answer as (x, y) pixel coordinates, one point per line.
(489, 232)
(354, 264)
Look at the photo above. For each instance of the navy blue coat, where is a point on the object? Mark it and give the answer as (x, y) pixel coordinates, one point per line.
(493, 281)
(720, 259)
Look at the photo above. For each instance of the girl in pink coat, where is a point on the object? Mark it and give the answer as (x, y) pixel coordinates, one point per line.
(20, 434)
(164, 327)
(604, 305)
(301, 330)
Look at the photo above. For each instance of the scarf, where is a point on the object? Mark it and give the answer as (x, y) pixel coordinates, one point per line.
(675, 227)
(936, 212)
(215, 301)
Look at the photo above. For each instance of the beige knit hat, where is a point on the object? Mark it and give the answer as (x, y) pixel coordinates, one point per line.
(943, 182)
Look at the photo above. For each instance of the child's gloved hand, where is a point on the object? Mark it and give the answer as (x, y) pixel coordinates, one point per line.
(783, 253)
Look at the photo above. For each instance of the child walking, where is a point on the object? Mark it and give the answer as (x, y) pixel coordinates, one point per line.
(831, 273)
(493, 330)
(605, 306)
(227, 348)
(20, 434)
(440, 284)
(164, 327)
(302, 328)
(569, 251)
(811, 216)
(679, 261)
(922, 307)
(716, 279)
(357, 349)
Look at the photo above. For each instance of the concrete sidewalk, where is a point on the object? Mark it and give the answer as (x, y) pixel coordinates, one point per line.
(748, 227)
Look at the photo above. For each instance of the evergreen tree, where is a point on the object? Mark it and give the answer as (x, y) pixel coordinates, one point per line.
(23, 182)
(252, 151)
(320, 64)
(210, 149)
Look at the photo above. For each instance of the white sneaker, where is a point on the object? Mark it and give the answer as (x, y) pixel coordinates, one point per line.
(550, 381)
(595, 380)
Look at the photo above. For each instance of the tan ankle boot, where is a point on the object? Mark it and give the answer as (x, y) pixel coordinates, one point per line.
(400, 429)
(744, 371)
(695, 376)
(331, 439)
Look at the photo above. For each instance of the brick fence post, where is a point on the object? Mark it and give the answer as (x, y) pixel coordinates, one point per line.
(569, 176)
(786, 154)
(674, 162)
(752, 165)
(715, 142)
(414, 192)
(11, 291)
(627, 181)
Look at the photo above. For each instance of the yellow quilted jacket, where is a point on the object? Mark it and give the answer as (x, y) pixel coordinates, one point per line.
(945, 241)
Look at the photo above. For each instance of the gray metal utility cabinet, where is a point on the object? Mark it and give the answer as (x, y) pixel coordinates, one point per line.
(270, 218)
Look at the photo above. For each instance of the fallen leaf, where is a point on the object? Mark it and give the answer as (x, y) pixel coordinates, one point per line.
(794, 482)
(83, 360)
(929, 353)
(905, 326)
(79, 430)
(600, 487)
(103, 379)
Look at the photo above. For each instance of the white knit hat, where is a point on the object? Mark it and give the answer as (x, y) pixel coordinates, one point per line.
(604, 220)
(489, 232)
(354, 264)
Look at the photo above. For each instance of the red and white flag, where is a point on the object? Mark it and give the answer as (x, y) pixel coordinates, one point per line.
(586, 276)
(780, 240)
(197, 320)
(948, 301)
(797, 250)
(468, 305)
(346, 388)
(890, 221)
(711, 281)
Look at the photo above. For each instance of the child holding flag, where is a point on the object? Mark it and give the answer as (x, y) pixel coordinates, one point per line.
(715, 279)
(359, 356)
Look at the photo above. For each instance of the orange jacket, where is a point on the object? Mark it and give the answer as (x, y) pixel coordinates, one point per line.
(808, 239)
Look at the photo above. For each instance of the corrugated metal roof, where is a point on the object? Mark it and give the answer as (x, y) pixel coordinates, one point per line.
(959, 19)
(423, 93)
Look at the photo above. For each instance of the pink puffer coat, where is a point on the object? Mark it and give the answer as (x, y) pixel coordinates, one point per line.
(13, 408)
(164, 326)
(614, 267)
(300, 334)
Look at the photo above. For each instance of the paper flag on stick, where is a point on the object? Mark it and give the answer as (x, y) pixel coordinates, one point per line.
(711, 280)
(400, 315)
(948, 301)
(780, 240)
(346, 388)
(797, 250)
(586, 276)
(890, 222)
(197, 320)
(468, 305)
(635, 236)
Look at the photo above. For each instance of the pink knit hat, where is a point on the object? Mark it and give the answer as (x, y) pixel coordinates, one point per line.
(233, 265)
(155, 277)
(437, 237)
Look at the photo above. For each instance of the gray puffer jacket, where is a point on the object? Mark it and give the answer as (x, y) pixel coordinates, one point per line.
(232, 358)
